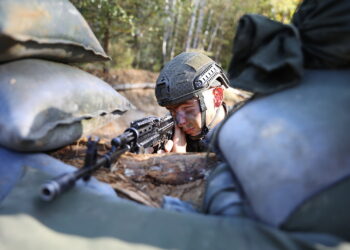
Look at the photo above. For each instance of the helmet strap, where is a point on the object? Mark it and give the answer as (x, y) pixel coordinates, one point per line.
(205, 127)
(216, 115)
(203, 109)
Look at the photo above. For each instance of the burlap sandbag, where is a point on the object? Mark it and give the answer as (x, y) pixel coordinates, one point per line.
(46, 105)
(48, 29)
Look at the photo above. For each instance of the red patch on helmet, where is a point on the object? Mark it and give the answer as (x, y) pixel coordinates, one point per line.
(218, 96)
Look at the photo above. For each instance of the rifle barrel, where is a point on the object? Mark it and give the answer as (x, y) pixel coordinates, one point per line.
(63, 183)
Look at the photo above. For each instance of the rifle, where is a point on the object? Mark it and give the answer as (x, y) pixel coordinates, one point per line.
(147, 132)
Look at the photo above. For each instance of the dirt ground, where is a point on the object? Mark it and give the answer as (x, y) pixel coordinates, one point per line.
(121, 76)
(146, 178)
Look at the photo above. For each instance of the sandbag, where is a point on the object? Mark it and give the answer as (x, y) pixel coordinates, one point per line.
(82, 219)
(14, 166)
(325, 212)
(289, 146)
(48, 29)
(269, 56)
(46, 105)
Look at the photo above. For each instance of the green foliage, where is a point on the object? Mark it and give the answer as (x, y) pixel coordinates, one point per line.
(134, 32)
(122, 56)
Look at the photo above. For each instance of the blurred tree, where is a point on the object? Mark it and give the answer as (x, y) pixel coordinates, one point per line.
(146, 34)
(107, 18)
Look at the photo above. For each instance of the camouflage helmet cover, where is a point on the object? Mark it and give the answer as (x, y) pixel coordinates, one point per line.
(187, 75)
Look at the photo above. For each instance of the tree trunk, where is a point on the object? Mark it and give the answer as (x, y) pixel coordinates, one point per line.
(218, 52)
(192, 23)
(199, 24)
(105, 42)
(166, 30)
(136, 47)
(213, 36)
(215, 32)
(177, 24)
(207, 29)
(173, 17)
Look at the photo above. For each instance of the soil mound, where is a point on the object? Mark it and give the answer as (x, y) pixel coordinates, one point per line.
(132, 76)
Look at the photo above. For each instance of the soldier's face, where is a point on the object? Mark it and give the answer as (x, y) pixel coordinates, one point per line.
(187, 116)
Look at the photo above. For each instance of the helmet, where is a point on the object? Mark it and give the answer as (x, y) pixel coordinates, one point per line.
(186, 76)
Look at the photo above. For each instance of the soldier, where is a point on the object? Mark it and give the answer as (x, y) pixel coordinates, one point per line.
(191, 87)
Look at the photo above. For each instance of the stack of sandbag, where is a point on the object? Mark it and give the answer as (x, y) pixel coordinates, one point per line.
(44, 103)
(287, 149)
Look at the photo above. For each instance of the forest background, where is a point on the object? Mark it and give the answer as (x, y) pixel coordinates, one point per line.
(146, 34)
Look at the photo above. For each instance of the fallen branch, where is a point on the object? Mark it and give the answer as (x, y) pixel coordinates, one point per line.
(128, 86)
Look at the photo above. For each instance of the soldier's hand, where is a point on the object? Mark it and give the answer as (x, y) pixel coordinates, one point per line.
(149, 150)
(168, 146)
(178, 144)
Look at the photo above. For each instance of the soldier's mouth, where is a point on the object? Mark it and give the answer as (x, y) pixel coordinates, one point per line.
(187, 131)
(191, 131)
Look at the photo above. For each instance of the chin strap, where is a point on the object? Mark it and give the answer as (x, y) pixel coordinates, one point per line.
(203, 109)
